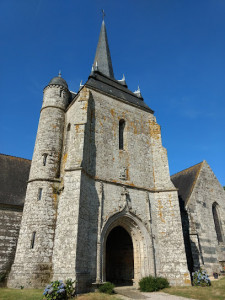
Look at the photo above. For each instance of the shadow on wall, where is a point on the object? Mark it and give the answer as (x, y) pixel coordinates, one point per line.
(191, 249)
(89, 208)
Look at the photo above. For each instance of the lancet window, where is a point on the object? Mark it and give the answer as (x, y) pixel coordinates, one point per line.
(121, 134)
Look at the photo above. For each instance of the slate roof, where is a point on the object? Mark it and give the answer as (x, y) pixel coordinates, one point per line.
(102, 77)
(14, 173)
(58, 81)
(102, 56)
(185, 181)
(112, 87)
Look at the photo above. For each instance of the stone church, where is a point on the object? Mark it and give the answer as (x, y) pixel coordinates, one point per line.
(100, 204)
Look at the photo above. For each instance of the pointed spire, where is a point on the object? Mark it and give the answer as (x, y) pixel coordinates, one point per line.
(102, 55)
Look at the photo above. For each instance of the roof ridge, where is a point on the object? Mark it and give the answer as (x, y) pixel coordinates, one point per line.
(188, 168)
(106, 76)
(120, 87)
(15, 156)
(195, 180)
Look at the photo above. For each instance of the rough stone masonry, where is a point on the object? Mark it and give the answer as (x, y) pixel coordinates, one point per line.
(99, 179)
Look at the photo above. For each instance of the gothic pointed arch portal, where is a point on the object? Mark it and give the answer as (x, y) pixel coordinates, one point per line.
(131, 239)
(119, 257)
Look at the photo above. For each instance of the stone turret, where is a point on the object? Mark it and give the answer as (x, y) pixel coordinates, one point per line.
(48, 147)
(33, 261)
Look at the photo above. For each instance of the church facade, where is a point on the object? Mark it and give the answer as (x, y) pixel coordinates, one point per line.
(100, 204)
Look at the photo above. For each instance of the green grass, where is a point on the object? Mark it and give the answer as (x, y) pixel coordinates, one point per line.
(32, 294)
(16, 294)
(214, 292)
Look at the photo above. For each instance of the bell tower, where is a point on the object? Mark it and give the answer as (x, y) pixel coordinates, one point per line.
(99, 187)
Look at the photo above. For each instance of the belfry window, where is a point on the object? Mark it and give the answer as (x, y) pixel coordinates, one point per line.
(44, 158)
(33, 240)
(39, 193)
(121, 134)
(217, 223)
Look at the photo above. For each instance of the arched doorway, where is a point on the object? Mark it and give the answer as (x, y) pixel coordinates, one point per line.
(139, 240)
(119, 257)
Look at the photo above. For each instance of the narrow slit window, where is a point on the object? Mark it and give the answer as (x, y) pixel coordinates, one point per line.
(40, 193)
(67, 138)
(33, 240)
(121, 134)
(45, 159)
(217, 222)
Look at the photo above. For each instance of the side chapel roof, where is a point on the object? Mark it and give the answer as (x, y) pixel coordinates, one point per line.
(185, 181)
(13, 179)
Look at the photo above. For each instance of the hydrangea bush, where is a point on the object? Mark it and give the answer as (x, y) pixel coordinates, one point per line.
(58, 290)
(200, 278)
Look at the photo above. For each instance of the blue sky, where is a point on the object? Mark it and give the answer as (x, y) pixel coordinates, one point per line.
(173, 49)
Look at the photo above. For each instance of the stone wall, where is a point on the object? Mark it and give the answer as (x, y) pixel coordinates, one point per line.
(10, 219)
(116, 187)
(98, 188)
(208, 252)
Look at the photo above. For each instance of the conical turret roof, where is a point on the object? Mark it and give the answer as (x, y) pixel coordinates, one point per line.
(103, 60)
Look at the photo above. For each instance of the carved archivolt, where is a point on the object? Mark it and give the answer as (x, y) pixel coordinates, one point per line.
(142, 244)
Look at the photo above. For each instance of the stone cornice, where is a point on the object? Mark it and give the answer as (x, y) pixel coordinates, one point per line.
(56, 85)
(120, 183)
(44, 179)
(54, 106)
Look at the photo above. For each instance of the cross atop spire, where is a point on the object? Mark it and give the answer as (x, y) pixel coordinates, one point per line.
(102, 55)
(103, 14)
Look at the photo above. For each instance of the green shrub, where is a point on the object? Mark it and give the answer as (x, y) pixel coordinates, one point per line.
(58, 290)
(152, 284)
(200, 278)
(107, 288)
